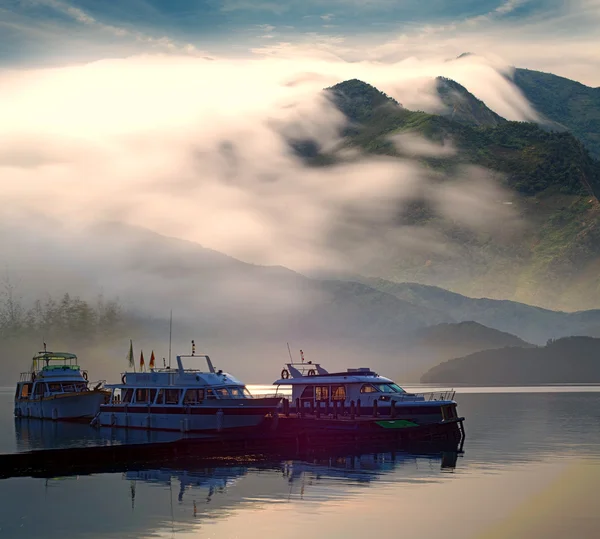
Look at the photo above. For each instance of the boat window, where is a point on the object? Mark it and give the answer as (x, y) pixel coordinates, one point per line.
(54, 388)
(39, 389)
(385, 388)
(172, 396)
(308, 393)
(210, 394)
(338, 393)
(222, 393)
(127, 395)
(160, 399)
(397, 388)
(141, 396)
(68, 388)
(193, 396)
(152, 395)
(247, 394)
(26, 391)
(322, 393)
(236, 392)
(368, 388)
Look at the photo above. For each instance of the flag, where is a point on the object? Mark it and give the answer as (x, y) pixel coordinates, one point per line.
(141, 360)
(302, 355)
(152, 360)
(130, 354)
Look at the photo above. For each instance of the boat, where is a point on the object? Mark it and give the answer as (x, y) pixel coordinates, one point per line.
(57, 388)
(183, 399)
(361, 391)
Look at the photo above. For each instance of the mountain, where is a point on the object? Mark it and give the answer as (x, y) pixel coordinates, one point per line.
(524, 366)
(433, 344)
(533, 324)
(463, 107)
(566, 102)
(553, 185)
(470, 335)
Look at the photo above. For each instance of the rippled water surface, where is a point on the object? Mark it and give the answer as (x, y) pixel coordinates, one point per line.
(530, 468)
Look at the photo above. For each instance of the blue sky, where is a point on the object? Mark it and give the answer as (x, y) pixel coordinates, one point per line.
(533, 33)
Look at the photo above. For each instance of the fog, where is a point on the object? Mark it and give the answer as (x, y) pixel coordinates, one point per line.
(102, 163)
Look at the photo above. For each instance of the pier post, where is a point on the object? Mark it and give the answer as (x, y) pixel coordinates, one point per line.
(318, 409)
(286, 407)
(352, 410)
(312, 408)
(358, 408)
(374, 408)
(298, 409)
(335, 409)
(393, 409)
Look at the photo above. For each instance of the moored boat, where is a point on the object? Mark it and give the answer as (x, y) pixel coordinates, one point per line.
(183, 399)
(315, 390)
(56, 388)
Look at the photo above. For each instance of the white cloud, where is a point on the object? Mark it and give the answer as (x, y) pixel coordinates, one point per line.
(194, 149)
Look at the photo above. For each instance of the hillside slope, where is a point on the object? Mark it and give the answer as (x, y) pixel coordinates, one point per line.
(567, 102)
(554, 260)
(524, 366)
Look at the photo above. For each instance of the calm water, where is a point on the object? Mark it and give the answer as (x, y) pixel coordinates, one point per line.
(530, 468)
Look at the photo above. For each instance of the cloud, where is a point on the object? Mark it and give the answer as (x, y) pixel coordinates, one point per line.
(197, 150)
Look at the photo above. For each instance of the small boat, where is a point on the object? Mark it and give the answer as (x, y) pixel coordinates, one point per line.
(56, 388)
(183, 399)
(314, 388)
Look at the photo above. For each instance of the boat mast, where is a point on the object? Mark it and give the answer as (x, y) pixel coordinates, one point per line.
(170, 336)
(290, 353)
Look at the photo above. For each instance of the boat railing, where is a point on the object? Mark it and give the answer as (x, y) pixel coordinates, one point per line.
(445, 395)
(25, 377)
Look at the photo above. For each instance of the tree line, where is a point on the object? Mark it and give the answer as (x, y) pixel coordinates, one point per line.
(66, 318)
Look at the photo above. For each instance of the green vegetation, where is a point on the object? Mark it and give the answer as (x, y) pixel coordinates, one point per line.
(566, 102)
(568, 360)
(554, 260)
(532, 159)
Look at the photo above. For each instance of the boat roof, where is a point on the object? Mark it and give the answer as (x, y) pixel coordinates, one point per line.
(312, 374)
(54, 356)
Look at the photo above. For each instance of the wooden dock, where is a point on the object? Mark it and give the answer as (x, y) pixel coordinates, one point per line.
(283, 437)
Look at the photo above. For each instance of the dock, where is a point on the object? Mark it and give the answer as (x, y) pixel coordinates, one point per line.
(280, 437)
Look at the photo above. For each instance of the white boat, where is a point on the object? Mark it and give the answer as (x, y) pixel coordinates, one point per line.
(183, 399)
(315, 389)
(56, 388)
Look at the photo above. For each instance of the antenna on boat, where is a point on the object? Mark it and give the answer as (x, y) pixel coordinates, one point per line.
(170, 336)
(290, 353)
(193, 347)
(44, 345)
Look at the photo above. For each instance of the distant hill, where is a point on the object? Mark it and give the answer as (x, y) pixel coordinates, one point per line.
(568, 360)
(553, 185)
(533, 324)
(470, 335)
(566, 102)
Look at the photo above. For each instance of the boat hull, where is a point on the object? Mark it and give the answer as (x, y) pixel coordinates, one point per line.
(63, 407)
(187, 419)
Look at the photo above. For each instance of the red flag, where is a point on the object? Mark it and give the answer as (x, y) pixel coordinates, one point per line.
(302, 355)
(141, 360)
(152, 360)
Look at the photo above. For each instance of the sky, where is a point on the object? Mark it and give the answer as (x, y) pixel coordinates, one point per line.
(173, 116)
(549, 35)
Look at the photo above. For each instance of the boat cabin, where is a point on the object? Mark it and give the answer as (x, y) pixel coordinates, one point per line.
(51, 374)
(180, 386)
(314, 388)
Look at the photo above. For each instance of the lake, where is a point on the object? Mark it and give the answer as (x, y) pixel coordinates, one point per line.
(530, 469)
